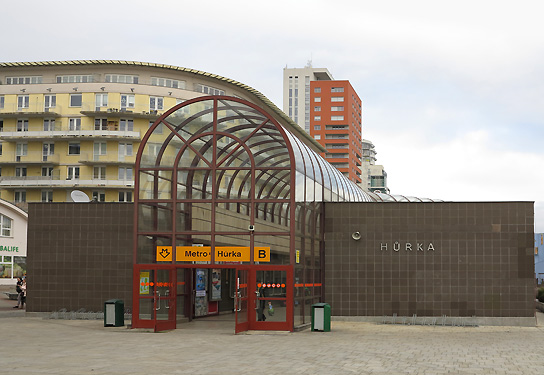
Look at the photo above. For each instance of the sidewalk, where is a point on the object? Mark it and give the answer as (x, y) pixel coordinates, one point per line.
(32, 345)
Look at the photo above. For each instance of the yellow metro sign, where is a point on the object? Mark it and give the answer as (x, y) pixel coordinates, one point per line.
(222, 254)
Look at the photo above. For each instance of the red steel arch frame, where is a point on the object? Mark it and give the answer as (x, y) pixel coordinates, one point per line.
(255, 199)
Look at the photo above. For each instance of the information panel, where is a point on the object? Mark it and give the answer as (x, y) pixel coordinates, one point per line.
(222, 254)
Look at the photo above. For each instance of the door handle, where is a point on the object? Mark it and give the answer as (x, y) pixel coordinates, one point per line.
(239, 301)
(167, 304)
(256, 300)
(159, 300)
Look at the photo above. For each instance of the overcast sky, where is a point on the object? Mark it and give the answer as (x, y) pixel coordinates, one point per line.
(452, 91)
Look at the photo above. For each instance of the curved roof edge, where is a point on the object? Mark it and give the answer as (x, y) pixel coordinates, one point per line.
(14, 208)
(382, 197)
(278, 112)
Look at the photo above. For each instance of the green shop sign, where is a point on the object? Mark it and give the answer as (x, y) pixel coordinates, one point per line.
(13, 249)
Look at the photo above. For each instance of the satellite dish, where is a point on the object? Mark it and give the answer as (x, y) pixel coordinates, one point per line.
(79, 196)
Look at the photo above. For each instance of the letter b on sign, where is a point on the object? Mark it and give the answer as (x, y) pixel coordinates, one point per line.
(261, 254)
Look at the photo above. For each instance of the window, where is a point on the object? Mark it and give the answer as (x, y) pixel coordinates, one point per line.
(337, 108)
(127, 101)
(22, 125)
(317, 136)
(99, 196)
(74, 148)
(317, 89)
(47, 171)
(336, 127)
(153, 149)
(337, 99)
(125, 196)
(317, 118)
(155, 103)
(317, 127)
(50, 101)
(337, 89)
(0, 147)
(48, 125)
(72, 173)
(121, 78)
(20, 171)
(23, 101)
(74, 124)
(6, 225)
(21, 149)
(76, 100)
(1, 101)
(317, 99)
(20, 196)
(99, 173)
(100, 124)
(208, 90)
(99, 148)
(158, 129)
(47, 195)
(317, 109)
(23, 80)
(48, 149)
(337, 118)
(101, 100)
(75, 78)
(167, 82)
(126, 125)
(125, 173)
(125, 149)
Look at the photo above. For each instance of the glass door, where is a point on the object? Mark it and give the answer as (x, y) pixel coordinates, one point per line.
(156, 295)
(165, 300)
(241, 301)
(273, 299)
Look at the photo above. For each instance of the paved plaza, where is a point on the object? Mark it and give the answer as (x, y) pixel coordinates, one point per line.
(34, 345)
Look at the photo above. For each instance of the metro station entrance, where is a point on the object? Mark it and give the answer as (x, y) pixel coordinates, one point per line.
(228, 219)
(257, 299)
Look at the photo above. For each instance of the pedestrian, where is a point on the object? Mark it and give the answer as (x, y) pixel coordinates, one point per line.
(19, 290)
(261, 303)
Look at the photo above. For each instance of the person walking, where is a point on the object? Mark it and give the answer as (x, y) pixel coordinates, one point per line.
(23, 287)
(19, 290)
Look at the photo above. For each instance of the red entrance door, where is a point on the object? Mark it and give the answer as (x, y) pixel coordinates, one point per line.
(241, 300)
(264, 299)
(156, 295)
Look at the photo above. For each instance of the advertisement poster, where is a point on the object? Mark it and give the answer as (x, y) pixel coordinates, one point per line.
(201, 300)
(144, 282)
(215, 294)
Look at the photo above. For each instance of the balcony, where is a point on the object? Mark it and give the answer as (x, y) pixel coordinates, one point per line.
(114, 110)
(33, 110)
(31, 157)
(90, 158)
(55, 181)
(65, 132)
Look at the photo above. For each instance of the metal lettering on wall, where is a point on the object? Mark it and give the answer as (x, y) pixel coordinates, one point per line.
(408, 246)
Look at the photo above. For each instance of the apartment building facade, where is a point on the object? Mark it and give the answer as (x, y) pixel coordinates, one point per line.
(296, 92)
(336, 123)
(373, 176)
(77, 125)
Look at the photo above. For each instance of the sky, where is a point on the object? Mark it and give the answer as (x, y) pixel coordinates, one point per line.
(452, 91)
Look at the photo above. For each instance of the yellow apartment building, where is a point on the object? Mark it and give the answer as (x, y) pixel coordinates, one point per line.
(77, 125)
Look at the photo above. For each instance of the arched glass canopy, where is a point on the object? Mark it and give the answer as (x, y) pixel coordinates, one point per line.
(242, 139)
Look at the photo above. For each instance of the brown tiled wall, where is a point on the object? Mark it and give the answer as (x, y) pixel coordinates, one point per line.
(482, 263)
(79, 255)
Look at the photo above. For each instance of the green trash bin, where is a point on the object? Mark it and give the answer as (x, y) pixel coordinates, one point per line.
(321, 317)
(114, 313)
